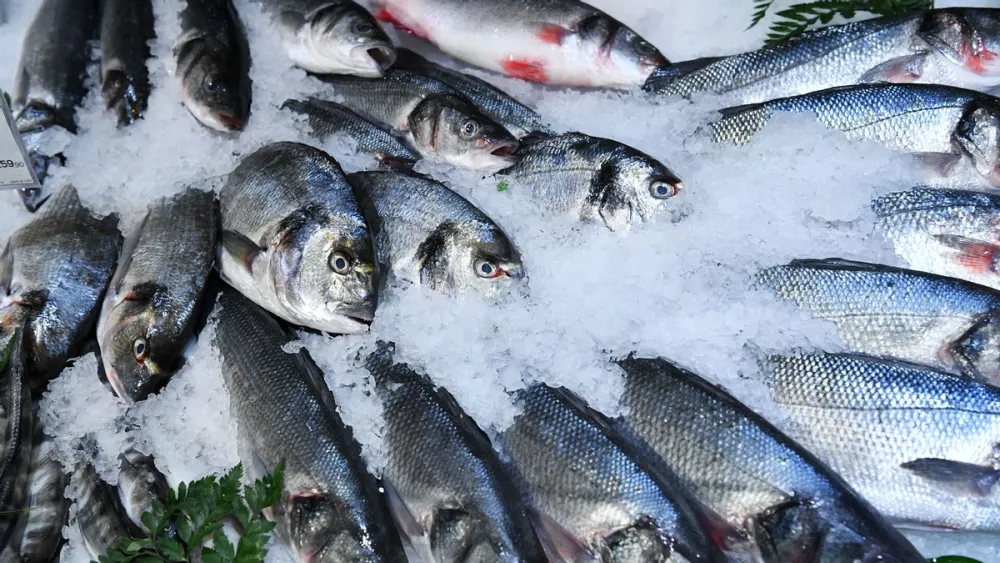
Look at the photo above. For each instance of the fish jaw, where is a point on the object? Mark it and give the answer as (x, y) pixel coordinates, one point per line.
(314, 54)
(206, 116)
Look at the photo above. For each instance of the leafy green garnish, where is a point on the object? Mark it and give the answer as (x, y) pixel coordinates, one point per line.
(799, 17)
(194, 514)
(502, 186)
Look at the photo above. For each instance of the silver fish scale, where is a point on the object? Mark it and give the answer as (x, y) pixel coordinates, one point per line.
(387, 100)
(47, 503)
(328, 119)
(866, 417)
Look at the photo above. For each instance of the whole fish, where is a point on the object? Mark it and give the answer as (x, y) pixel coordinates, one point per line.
(98, 512)
(429, 234)
(596, 496)
(435, 119)
(919, 444)
(330, 119)
(295, 241)
(333, 37)
(150, 308)
(48, 507)
(213, 64)
(599, 179)
(759, 480)
(951, 232)
(447, 488)
(946, 123)
(17, 424)
(331, 509)
(53, 271)
(561, 42)
(49, 83)
(126, 30)
(139, 484)
(496, 104)
(955, 46)
(944, 322)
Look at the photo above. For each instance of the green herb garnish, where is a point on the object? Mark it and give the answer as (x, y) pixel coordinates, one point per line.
(799, 17)
(502, 186)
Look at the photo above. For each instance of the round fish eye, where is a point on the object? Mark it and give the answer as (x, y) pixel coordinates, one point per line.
(662, 190)
(212, 82)
(469, 128)
(487, 269)
(140, 349)
(363, 27)
(340, 263)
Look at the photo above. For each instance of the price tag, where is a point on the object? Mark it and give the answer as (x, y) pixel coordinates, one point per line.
(15, 165)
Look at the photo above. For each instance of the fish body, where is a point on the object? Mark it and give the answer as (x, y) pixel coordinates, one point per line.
(884, 311)
(151, 305)
(98, 512)
(597, 497)
(331, 119)
(748, 472)
(920, 47)
(17, 423)
(53, 272)
(333, 37)
(435, 119)
(331, 509)
(126, 30)
(48, 507)
(919, 444)
(560, 42)
(496, 104)
(429, 234)
(139, 484)
(213, 64)
(599, 179)
(295, 241)
(448, 488)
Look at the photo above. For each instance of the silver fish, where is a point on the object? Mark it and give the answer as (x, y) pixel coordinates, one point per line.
(599, 179)
(139, 484)
(560, 42)
(596, 496)
(333, 37)
(48, 507)
(884, 311)
(150, 308)
(331, 510)
(17, 424)
(126, 30)
(447, 489)
(429, 234)
(98, 512)
(761, 482)
(295, 241)
(53, 271)
(919, 444)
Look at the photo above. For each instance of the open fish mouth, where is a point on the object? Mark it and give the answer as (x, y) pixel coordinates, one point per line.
(506, 150)
(232, 123)
(383, 56)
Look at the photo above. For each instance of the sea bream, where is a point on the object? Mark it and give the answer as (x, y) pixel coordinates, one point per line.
(126, 31)
(761, 482)
(919, 444)
(429, 234)
(560, 42)
(954, 46)
(331, 509)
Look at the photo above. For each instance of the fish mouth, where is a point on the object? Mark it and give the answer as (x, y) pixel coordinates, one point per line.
(506, 150)
(383, 56)
(117, 385)
(230, 122)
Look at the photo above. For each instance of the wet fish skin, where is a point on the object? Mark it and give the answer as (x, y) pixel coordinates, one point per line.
(295, 241)
(919, 444)
(99, 511)
(332, 119)
(560, 42)
(496, 104)
(47, 503)
(333, 37)
(750, 473)
(17, 424)
(213, 64)
(593, 486)
(465, 505)
(429, 234)
(883, 311)
(126, 30)
(62, 242)
(331, 509)
(969, 37)
(600, 179)
(139, 484)
(149, 311)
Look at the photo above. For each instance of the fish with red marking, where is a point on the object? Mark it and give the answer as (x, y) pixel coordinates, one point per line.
(560, 42)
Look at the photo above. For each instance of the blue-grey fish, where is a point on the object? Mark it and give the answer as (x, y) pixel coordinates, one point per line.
(48, 507)
(126, 31)
(139, 484)
(98, 511)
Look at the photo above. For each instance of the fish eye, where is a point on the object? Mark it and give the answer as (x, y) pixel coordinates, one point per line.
(469, 128)
(363, 27)
(140, 349)
(340, 263)
(212, 82)
(487, 269)
(662, 190)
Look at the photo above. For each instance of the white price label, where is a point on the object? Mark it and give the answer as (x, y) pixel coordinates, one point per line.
(15, 165)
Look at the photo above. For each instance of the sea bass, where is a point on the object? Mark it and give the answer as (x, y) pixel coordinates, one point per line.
(139, 484)
(954, 46)
(295, 241)
(16, 431)
(149, 311)
(598, 179)
(560, 42)
(919, 444)
(950, 124)
(447, 489)
(884, 311)
(126, 30)
(429, 234)
(596, 497)
(331, 509)
(733, 461)
(98, 512)
(48, 507)
(53, 271)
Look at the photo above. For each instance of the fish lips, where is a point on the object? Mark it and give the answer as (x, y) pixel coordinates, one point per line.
(378, 57)
(350, 319)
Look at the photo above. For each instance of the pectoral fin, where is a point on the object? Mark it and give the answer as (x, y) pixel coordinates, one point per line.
(958, 478)
(901, 70)
(975, 255)
(242, 249)
(558, 543)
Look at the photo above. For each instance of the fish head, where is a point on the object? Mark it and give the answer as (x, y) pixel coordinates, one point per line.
(634, 187)
(977, 352)
(977, 136)
(458, 534)
(140, 353)
(450, 129)
(317, 531)
(620, 53)
(214, 89)
(473, 256)
(343, 38)
(640, 542)
(968, 37)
